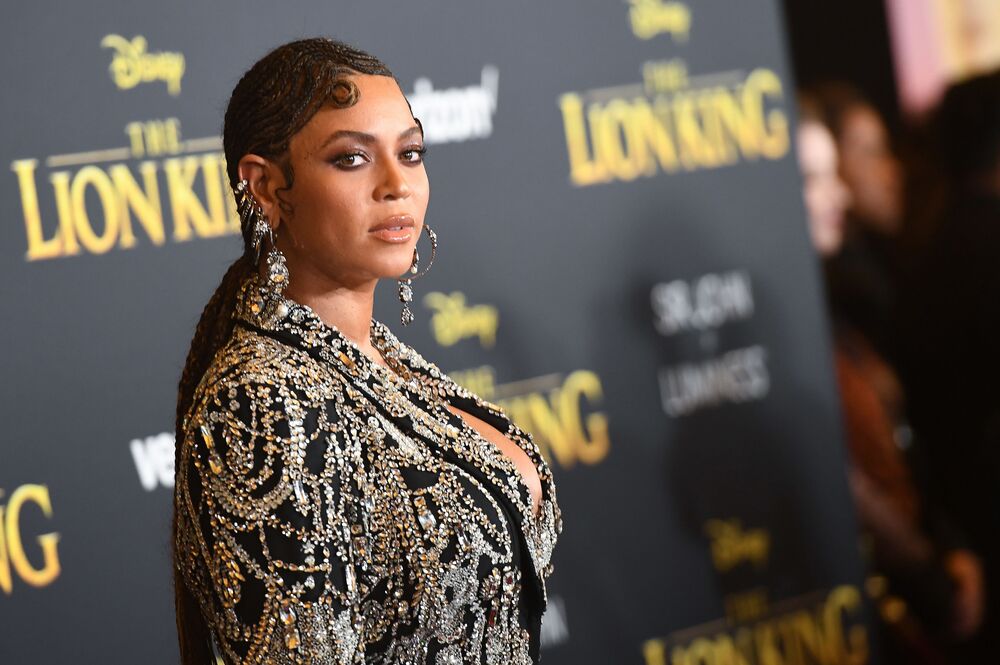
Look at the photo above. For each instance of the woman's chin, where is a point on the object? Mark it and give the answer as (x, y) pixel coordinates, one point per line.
(395, 270)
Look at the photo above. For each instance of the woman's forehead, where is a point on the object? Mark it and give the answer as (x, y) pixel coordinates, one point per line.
(381, 111)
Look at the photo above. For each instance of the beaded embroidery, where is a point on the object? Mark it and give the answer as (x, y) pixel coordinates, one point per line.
(333, 511)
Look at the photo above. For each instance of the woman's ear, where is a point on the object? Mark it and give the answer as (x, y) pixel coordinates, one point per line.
(263, 178)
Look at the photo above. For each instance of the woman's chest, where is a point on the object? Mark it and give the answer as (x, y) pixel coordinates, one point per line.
(522, 463)
(448, 495)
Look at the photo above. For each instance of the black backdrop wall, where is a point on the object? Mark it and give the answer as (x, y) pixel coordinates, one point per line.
(624, 266)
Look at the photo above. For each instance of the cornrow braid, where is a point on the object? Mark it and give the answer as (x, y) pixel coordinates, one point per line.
(282, 92)
(273, 100)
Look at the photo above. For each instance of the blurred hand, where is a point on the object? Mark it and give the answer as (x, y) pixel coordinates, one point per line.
(966, 572)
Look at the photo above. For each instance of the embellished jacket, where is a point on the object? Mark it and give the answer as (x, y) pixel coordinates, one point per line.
(331, 510)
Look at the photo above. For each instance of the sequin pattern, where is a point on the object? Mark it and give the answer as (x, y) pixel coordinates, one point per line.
(331, 511)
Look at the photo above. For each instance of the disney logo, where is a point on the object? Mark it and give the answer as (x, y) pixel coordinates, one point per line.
(132, 64)
(651, 17)
(732, 544)
(454, 321)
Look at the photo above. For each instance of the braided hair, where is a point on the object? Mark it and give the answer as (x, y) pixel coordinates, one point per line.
(270, 104)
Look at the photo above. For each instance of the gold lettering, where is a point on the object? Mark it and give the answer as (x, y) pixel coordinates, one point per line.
(12, 553)
(132, 64)
(163, 137)
(214, 193)
(746, 605)
(6, 582)
(584, 170)
(143, 203)
(557, 424)
(99, 180)
(187, 208)
(126, 195)
(649, 18)
(664, 76)
(591, 435)
(766, 646)
(39, 247)
(541, 413)
(845, 600)
(683, 128)
(654, 652)
(774, 138)
(655, 124)
(64, 209)
(701, 651)
(154, 137)
(734, 126)
(619, 139)
(731, 544)
(134, 132)
(711, 126)
(453, 320)
(810, 634)
(480, 380)
(695, 151)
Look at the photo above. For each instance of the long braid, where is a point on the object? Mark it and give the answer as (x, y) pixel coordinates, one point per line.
(214, 328)
(270, 104)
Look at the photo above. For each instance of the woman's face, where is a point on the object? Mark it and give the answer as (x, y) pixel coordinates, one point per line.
(825, 195)
(359, 192)
(871, 170)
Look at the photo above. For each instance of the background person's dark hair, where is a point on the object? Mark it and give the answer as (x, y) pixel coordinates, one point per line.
(831, 101)
(808, 108)
(965, 130)
(956, 149)
(269, 105)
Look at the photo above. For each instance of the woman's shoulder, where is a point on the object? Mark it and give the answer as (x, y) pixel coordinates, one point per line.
(263, 369)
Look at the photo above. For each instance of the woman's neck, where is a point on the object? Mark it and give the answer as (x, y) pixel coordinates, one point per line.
(348, 309)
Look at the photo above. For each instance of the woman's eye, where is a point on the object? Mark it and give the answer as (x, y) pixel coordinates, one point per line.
(414, 155)
(350, 160)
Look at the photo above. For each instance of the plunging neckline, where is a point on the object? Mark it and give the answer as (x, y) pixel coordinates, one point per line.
(381, 341)
(536, 508)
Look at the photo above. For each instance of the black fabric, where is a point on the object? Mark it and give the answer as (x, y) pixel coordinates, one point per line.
(532, 603)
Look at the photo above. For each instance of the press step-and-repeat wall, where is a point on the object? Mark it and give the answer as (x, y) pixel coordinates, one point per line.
(624, 266)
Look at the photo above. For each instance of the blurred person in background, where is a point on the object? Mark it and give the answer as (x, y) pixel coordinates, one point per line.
(826, 196)
(951, 321)
(862, 276)
(941, 606)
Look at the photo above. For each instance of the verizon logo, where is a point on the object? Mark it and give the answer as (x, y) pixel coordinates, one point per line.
(154, 460)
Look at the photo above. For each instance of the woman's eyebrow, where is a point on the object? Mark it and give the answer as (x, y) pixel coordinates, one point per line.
(363, 137)
(406, 133)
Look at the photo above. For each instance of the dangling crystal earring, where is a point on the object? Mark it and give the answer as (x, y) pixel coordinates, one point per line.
(252, 216)
(277, 270)
(406, 283)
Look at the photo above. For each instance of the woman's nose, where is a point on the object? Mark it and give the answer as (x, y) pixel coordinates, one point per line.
(393, 183)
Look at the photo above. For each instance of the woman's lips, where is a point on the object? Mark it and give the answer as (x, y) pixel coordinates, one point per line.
(396, 229)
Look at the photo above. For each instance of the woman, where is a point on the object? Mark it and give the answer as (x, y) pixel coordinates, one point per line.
(338, 499)
(825, 195)
(862, 275)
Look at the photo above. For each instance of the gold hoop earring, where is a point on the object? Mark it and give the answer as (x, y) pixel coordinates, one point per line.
(406, 283)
